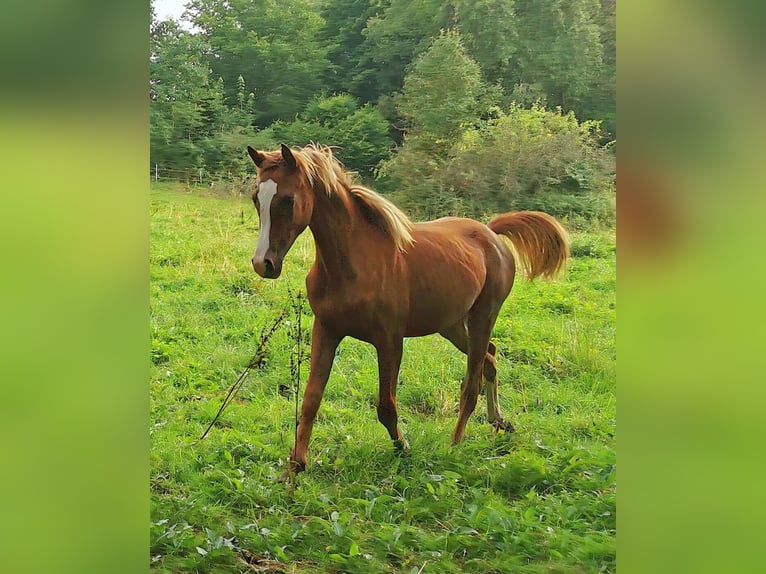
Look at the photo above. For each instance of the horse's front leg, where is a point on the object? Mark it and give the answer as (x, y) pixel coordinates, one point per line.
(389, 360)
(323, 347)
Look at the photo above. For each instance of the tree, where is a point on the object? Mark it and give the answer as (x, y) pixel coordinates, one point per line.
(178, 86)
(191, 125)
(441, 97)
(393, 38)
(560, 51)
(533, 159)
(420, 75)
(441, 92)
(490, 34)
(601, 101)
(360, 133)
(342, 35)
(272, 45)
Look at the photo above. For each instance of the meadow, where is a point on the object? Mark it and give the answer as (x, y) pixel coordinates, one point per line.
(540, 499)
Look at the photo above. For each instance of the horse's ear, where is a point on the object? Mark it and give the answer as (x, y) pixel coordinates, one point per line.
(288, 156)
(255, 156)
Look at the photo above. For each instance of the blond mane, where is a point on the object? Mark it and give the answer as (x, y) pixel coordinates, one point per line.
(322, 169)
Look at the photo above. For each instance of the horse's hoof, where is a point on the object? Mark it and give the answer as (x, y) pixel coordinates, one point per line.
(401, 446)
(501, 425)
(293, 468)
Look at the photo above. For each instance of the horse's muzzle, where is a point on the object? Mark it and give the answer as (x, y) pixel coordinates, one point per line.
(268, 268)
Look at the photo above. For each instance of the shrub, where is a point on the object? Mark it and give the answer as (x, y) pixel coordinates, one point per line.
(361, 134)
(521, 159)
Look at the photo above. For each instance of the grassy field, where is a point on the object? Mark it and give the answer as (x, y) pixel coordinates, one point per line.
(541, 499)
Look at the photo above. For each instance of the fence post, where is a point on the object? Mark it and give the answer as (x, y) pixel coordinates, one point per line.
(200, 176)
(156, 172)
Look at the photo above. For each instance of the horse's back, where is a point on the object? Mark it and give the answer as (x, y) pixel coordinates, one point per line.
(476, 245)
(462, 234)
(448, 266)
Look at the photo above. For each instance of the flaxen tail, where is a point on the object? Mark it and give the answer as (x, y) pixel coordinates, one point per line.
(540, 242)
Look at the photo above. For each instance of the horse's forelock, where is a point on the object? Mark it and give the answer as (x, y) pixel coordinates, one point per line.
(320, 168)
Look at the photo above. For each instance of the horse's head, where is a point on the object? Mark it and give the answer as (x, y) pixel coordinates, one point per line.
(284, 201)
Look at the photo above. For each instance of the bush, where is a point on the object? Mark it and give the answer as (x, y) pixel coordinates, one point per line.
(361, 134)
(226, 151)
(521, 159)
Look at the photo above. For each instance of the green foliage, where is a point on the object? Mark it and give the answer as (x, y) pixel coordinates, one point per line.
(561, 51)
(441, 97)
(329, 111)
(180, 96)
(490, 33)
(272, 45)
(415, 85)
(191, 126)
(364, 140)
(300, 132)
(360, 134)
(541, 499)
(410, 178)
(440, 91)
(521, 159)
(226, 151)
(343, 37)
(534, 159)
(393, 38)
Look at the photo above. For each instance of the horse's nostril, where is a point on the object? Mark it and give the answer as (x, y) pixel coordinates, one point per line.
(269, 266)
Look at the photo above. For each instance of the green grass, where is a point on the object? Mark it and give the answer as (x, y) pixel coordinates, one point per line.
(541, 499)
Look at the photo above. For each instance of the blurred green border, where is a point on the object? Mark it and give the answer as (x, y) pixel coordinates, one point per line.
(690, 285)
(74, 291)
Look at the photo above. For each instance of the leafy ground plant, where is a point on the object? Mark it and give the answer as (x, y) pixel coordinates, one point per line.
(541, 499)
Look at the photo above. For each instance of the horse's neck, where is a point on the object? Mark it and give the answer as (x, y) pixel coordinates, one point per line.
(333, 225)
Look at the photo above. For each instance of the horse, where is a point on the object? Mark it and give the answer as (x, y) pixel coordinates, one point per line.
(379, 277)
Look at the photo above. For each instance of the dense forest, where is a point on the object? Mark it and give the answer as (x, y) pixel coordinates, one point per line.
(457, 106)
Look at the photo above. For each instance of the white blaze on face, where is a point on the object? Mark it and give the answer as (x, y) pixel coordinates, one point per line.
(266, 192)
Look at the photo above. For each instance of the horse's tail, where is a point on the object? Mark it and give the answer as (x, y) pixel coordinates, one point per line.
(541, 243)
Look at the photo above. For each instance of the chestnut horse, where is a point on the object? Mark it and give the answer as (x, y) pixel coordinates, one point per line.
(378, 277)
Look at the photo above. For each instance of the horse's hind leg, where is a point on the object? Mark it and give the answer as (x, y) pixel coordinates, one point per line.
(475, 340)
(458, 336)
(479, 330)
(494, 416)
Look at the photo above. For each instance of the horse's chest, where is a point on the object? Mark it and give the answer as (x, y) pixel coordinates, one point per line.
(342, 311)
(354, 315)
